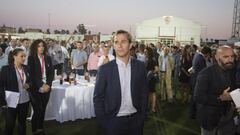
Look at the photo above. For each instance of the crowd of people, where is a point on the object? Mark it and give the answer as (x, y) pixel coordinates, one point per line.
(130, 78)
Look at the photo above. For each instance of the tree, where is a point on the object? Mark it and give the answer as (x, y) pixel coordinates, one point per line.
(48, 31)
(75, 32)
(89, 32)
(81, 29)
(57, 32)
(63, 31)
(20, 30)
(67, 32)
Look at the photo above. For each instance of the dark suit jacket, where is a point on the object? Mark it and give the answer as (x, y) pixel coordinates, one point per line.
(211, 83)
(36, 73)
(198, 64)
(8, 81)
(107, 93)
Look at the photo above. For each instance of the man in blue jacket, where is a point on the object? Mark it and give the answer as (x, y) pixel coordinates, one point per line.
(121, 94)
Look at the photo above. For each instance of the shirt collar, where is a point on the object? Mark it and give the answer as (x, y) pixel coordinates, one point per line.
(121, 63)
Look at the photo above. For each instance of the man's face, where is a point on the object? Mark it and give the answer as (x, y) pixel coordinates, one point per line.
(95, 48)
(121, 45)
(79, 45)
(226, 59)
(14, 43)
(25, 43)
(166, 51)
(159, 46)
(51, 43)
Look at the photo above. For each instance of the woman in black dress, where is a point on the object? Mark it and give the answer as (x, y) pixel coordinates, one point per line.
(184, 75)
(152, 70)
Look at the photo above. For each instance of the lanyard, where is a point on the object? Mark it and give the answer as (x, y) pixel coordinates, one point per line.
(21, 76)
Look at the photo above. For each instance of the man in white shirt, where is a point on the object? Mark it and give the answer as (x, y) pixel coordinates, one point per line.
(121, 93)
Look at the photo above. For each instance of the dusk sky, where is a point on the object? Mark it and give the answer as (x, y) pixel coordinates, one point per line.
(109, 15)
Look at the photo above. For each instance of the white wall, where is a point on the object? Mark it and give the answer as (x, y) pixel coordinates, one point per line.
(183, 29)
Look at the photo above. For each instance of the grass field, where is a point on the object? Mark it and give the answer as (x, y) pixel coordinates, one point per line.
(170, 119)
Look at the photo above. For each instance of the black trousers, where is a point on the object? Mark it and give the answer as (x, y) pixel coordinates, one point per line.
(11, 114)
(126, 125)
(39, 103)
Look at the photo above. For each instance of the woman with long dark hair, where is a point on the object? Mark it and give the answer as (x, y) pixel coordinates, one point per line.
(152, 69)
(14, 78)
(184, 76)
(42, 74)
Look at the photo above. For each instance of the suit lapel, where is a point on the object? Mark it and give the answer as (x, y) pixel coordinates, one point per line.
(133, 78)
(14, 75)
(46, 65)
(117, 79)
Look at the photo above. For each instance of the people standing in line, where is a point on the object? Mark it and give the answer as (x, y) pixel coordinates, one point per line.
(214, 108)
(15, 78)
(166, 66)
(121, 93)
(106, 57)
(78, 58)
(152, 74)
(42, 74)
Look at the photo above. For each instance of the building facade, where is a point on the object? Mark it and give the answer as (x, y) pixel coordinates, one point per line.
(168, 30)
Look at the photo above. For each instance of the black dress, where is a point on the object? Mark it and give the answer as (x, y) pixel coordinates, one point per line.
(151, 77)
(185, 64)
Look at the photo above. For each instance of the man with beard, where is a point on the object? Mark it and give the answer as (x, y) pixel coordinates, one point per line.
(214, 108)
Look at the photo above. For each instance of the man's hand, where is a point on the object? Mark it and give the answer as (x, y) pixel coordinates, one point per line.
(46, 88)
(225, 95)
(26, 86)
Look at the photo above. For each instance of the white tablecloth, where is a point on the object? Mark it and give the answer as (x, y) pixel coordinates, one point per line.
(70, 102)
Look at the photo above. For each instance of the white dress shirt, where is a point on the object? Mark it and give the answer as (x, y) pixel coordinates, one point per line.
(24, 97)
(124, 70)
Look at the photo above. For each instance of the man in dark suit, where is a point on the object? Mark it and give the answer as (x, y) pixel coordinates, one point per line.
(198, 64)
(121, 95)
(214, 109)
